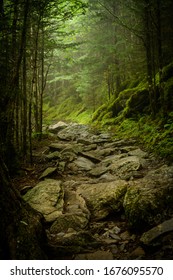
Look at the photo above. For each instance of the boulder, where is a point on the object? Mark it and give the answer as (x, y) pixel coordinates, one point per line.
(103, 199)
(47, 197)
(148, 200)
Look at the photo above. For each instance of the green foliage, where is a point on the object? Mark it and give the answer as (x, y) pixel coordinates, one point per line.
(68, 110)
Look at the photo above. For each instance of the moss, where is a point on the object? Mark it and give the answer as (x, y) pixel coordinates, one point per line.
(145, 204)
(97, 113)
(137, 103)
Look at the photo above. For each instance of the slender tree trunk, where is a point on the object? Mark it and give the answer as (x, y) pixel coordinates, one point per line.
(149, 57)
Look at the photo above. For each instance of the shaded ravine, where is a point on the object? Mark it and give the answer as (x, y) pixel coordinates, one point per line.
(100, 196)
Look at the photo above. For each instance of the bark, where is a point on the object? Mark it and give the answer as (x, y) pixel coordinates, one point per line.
(22, 235)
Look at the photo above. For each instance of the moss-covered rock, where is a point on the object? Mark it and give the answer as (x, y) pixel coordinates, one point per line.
(148, 201)
(103, 199)
(137, 103)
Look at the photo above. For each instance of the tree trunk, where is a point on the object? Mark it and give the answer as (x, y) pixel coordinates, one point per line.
(22, 235)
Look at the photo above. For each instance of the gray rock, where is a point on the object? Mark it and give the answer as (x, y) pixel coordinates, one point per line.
(124, 166)
(98, 171)
(103, 198)
(77, 221)
(47, 197)
(76, 214)
(83, 164)
(57, 127)
(74, 131)
(91, 156)
(139, 153)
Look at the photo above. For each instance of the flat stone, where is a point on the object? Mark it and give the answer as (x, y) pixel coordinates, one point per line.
(90, 156)
(83, 164)
(98, 171)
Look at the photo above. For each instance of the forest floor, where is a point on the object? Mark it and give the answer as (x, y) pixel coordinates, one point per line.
(119, 241)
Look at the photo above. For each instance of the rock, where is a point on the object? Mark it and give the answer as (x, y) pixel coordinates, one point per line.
(76, 221)
(138, 253)
(105, 152)
(90, 156)
(56, 146)
(113, 159)
(163, 173)
(98, 171)
(103, 199)
(73, 243)
(125, 235)
(73, 131)
(47, 197)
(147, 201)
(83, 164)
(53, 156)
(49, 171)
(75, 203)
(138, 152)
(149, 236)
(124, 166)
(86, 142)
(98, 255)
(57, 127)
(76, 214)
(90, 147)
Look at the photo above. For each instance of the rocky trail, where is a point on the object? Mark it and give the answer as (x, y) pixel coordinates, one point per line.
(101, 197)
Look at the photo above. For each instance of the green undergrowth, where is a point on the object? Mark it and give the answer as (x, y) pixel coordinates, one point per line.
(155, 135)
(68, 110)
(129, 115)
